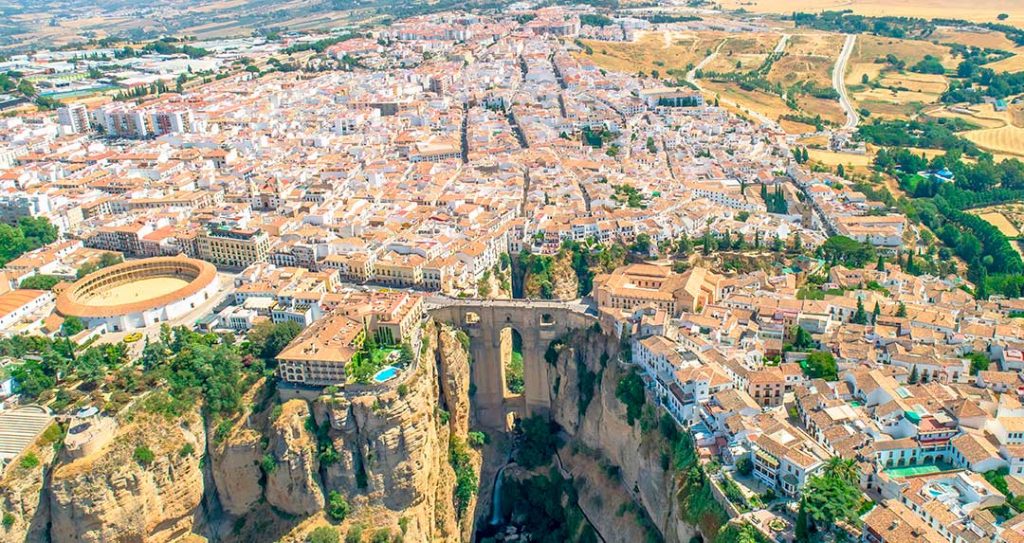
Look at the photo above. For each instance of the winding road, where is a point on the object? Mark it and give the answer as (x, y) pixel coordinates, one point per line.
(839, 82)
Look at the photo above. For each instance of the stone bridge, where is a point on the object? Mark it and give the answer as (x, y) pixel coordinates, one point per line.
(538, 322)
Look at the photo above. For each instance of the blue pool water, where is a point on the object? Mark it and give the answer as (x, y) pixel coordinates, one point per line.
(386, 374)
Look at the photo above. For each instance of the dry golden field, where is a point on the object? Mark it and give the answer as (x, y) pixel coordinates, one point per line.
(1007, 140)
(1011, 64)
(749, 50)
(830, 110)
(979, 10)
(809, 57)
(868, 48)
(924, 83)
(769, 105)
(1000, 132)
(660, 51)
(975, 38)
(901, 95)
(1008, 218)
(830, 158)
(793, 127)
(1000, 221)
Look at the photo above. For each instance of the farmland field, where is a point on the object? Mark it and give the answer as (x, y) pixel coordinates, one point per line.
(979, 10)
(1008, 218)
(661, 51)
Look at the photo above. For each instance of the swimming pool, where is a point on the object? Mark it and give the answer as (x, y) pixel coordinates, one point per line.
(923, 469)
(385, 375)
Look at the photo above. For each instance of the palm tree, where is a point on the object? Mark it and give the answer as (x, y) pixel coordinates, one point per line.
(841, 468)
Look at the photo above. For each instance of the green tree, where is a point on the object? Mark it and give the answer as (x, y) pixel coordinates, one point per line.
(860, 316)
(354, 534)
(802, 339)
(821, 365)
(901, 310)
(72, 325)
(802, 529)
(337, 506)
(847, 251)
(40, 282)
(829, 498)
(539, 442)
(267, 338)
(143, 455)
(979, 362)
(914, 376)
(842, 468)
(880, 265)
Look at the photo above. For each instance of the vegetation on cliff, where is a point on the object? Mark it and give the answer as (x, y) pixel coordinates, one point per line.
(547, 508)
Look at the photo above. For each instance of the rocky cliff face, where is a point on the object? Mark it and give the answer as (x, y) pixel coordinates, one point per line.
(235, 467)
(585, 405)
(393, 446)
(385, 450)
(293, 483)
(23, 497)
(146, 485)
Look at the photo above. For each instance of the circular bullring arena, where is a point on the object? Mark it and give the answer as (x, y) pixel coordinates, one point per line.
(139, 293)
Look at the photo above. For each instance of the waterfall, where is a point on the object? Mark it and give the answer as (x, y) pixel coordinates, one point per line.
(496, 497)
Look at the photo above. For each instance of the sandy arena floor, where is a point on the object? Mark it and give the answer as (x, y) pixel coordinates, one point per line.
(137, 291)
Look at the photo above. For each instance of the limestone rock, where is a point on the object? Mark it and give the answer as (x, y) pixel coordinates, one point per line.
(603, 428)
(22, 494)
(235, 466)
(393, 447)
(293, 486)
(112, 496)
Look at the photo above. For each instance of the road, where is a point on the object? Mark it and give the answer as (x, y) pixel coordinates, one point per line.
(781, 46)
(839, 82)
(582, 306)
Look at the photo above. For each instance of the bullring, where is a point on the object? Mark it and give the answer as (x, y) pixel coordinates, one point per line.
(139, 293)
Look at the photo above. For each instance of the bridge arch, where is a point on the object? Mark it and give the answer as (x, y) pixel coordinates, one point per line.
(537, 323)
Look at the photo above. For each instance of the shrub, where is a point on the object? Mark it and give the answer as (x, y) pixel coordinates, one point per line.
(8, 519)
(382, 535)
(354, 534)
(143, 455)
(403, 390)
(324, 534)
(268, 463)
(186, 450)
(477, 439)
(29, 461)
(337, 506)
(630, 391)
